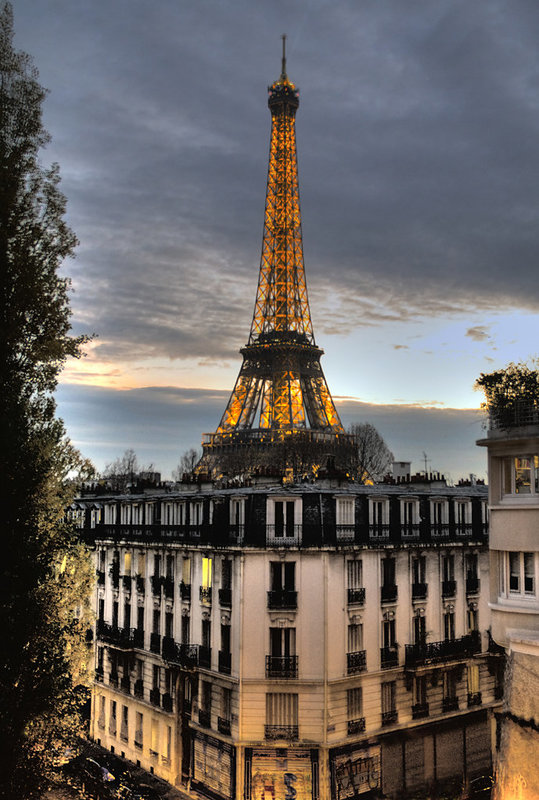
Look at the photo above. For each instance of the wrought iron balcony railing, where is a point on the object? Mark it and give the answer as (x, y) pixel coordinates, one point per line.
(419, 591)
(356, 597)
(356, 726)
(389, 593)
(225, 662)
(225, 598)
(286, 732)
(205, 594)
(389, 717)
(223, 726)
(283, 535)
(123, 638)
(417, 655)
(389, 656)
(410, 531)
(183, 655)
(356, 662)
(281, 666)
(379, 531)
(345, 533)
(420, 710)
(282, 598)
(450, 704)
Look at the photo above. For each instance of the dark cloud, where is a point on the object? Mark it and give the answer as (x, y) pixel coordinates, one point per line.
(418, 148)
(161, 423)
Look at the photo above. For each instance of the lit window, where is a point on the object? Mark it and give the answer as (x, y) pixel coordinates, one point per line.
(520, 475)
(206, 573)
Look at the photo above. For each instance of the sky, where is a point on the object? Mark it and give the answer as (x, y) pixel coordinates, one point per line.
(418, 153)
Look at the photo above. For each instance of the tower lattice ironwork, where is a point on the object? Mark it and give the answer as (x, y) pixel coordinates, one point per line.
(280, 413)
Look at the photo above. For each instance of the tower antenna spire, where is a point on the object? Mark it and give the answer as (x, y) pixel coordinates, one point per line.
(283, 69)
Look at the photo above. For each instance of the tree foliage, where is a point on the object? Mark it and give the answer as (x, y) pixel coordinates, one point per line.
(126, 470)
(374, 458)
(511, 394)
(44, 573)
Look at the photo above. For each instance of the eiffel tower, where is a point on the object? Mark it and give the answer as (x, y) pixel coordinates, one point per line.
(280, 415)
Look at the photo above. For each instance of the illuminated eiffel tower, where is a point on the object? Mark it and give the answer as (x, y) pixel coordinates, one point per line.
(280, 415)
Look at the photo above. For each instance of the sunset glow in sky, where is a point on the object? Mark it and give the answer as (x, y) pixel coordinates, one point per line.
(418, 154)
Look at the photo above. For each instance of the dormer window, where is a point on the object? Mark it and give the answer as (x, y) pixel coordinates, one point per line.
(379, 517)
(283, 516)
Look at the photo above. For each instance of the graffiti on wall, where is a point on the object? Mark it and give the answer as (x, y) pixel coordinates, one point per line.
(281, 778)
(356, 772)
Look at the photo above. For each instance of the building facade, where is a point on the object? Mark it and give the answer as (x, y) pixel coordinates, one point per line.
(322, 640)
(513, 466)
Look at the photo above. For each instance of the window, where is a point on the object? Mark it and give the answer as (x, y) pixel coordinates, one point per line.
(418, 569)
(463, 516)
(237, 514)
(388, 633)
(420, 692)
(448, 568)
(471, 565)
(388, 572)
(170, 567)
(355, 638)
(185, 629)
(196, 511)
(345, 518)
(354, 703)
(206, 573)
(420, 631)
(205, 696)
(438, 513)
(472, 618)
(226, 573)
(283, 576)
(127, 563)
(154, 746)
(389, 708)
(112, 718)
(157, 565)
(206, 633)
(378, 517)
(156, 627)
(521, 574)
(156, 676)
(225, 638)
(186, 571)
(283, 519)
(127, 615)
(140, 618)
(226, 704)
(141, 564)
(115, 614)
(355, 574)
(409, 517)
(520, 475)
(449, 626)
(282, 642)
(124, 726)
(449, 688)
(167, 744)
(472, 679)
(281, 716)
(101, 717)
(169, 624)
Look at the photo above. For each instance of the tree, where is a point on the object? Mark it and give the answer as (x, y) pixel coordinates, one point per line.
(511, 394)
(188, 461)
(373, 454)
(126, 470)
(44, 573)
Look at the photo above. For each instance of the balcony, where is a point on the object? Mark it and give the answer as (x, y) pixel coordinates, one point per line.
(389, 656)
(356, 597)
(281, 666)
(167, 702)
(450, 704)
(449, 588)
(225, 598)
(185, 591)
(204, 718)
(419, 591)
(283, 535)
(155, 696)
(155, 581)
(141, 584)
(423, 654)
(223, 726)
(356, 726)
(155, 643)
(345, 533)
(410, 531)
(439, 530)
(389, 717)
(420, 710)
(472, 584)
(183, 655)
(378, 531)
(205, 595)
(138, 689)
(463, 529)
(287, 732)
(225, 662)
(282, 598)
(356, 662)
(474, 699)
(389, 593)
(123, 638)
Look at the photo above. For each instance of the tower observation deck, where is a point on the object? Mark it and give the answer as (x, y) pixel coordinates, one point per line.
(280, 414)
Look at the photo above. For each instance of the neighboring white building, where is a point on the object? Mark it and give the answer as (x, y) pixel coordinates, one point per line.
(513, 467)
(316, 641)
